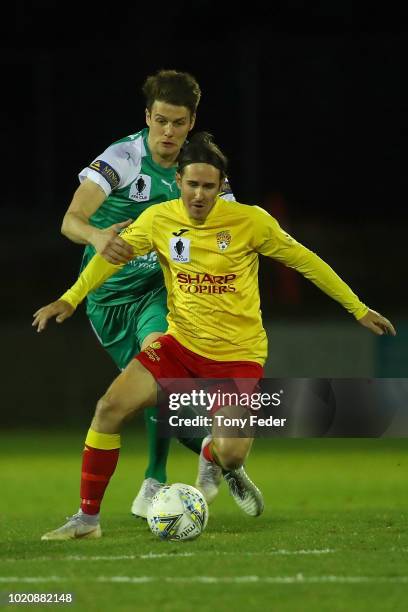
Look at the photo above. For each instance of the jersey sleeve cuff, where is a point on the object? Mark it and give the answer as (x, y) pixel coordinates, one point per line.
(361, 312)
(69, 298)
(95, 177)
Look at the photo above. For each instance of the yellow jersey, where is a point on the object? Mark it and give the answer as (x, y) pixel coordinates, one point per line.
(211, 274)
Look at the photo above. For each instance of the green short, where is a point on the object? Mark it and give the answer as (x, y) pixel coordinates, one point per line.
(121, 329)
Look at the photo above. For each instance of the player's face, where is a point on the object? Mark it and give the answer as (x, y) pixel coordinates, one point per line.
(199, 185)
(169, 126)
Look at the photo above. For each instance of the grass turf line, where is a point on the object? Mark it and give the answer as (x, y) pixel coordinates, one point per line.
(346, 496)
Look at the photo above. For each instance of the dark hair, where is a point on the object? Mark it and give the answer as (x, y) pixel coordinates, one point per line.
(201, 149)
(173, 87)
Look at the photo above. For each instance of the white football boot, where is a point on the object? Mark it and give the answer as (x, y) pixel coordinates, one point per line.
(209, 475)
(149, 487)
(75, 528)
(246, 495)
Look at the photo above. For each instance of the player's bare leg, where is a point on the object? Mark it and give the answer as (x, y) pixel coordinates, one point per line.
(134, 389)
(232, 452)
(225, 453)
(211, 465)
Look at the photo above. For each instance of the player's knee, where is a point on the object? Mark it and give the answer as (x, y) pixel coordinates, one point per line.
(109, 409)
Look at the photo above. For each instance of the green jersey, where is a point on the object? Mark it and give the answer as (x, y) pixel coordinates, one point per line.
(132, 182)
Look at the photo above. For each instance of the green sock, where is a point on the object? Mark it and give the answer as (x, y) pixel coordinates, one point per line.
(158, 447)
(193, 444)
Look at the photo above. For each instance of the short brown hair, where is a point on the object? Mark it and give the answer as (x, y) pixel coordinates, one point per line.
(173, 87)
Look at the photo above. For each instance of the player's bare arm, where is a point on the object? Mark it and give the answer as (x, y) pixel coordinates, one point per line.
(75, 225)
(59, 309)
(377, 323)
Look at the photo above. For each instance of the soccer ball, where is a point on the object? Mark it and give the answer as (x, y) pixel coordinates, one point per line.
(177, 512)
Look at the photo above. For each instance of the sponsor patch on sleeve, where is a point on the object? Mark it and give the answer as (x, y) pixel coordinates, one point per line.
(105, 170)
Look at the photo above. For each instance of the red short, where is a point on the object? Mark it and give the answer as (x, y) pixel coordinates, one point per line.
(166, 358)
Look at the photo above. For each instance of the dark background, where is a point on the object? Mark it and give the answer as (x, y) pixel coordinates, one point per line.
(308, 102)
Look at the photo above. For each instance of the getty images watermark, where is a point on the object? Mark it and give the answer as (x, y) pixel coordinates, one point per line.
(234, 411)
(285, 407)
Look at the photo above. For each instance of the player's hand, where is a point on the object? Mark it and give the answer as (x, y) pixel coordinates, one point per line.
(59, 309)
(377, 323)
(111, 246)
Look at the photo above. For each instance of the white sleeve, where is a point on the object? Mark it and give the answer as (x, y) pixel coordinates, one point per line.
(226, 191)
(113, 169)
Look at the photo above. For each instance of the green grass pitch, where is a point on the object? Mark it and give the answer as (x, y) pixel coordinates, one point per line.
(333, 536)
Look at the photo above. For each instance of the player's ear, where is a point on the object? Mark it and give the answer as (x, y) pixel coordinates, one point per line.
(148, 119)
(178, 179)
(223, 183)
(192, 122)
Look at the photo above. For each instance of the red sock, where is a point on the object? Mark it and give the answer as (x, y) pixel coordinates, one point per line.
(97, 469)
(208, 452)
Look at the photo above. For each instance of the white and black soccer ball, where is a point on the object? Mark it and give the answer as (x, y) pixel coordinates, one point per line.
(177, 512)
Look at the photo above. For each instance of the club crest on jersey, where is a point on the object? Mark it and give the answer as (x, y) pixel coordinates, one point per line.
(140, 188)
(223, 240)
(180, 249)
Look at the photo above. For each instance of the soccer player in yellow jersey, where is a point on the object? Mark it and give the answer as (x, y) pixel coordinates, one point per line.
(208, 249)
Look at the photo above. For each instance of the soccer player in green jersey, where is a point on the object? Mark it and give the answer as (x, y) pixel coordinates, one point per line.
(129, 311)
(208, 249)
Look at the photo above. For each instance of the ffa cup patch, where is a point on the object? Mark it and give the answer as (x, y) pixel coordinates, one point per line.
(140, 188)
(180, 249)
(223, 240)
